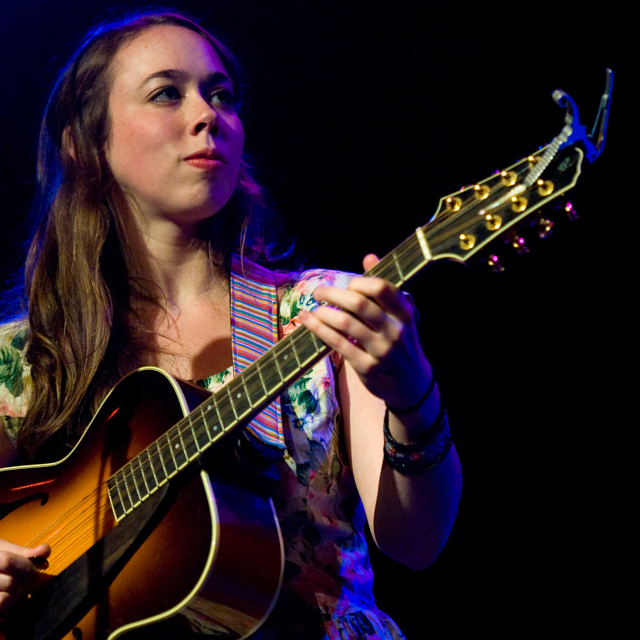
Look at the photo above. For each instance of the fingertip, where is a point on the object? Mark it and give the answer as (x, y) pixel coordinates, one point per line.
(369, 261)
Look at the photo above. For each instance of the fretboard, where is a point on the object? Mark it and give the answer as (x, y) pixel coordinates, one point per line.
(240, 400)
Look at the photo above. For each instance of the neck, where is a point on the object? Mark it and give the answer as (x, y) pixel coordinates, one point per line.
(174, 260)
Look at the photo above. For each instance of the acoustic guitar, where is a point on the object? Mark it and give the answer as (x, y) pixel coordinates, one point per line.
(151, 517)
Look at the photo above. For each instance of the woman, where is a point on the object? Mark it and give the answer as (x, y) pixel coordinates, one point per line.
(145, 197)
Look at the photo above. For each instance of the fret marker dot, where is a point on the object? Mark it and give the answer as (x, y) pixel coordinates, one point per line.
(239, 395)
(176, 447)
(286, 356)
(209, 408)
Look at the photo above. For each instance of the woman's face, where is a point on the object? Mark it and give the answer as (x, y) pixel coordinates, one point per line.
(175, 140)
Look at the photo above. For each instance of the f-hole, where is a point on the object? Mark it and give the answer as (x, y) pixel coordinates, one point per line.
(7, 508)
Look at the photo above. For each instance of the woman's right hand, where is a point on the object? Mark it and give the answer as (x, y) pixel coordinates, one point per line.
(17, 571)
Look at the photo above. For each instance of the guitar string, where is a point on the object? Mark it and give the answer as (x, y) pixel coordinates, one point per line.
(68, 530)
(83, 536)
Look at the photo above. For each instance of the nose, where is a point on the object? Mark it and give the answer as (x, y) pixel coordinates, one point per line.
(205, 118)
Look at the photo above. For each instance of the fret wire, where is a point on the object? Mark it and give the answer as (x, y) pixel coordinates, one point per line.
(112, 484)
(254, 385)
(164, 468)
(275, 360)
(295, 353)
(199, 426)
(215, 404)
(307, 348)
(123, 476)
(143, 476)
(113, 507)
(238, 398)
(317, 343)
(217, 428)
(395, 259)
(414, 259)
(186, 433)
(124, 481)
(194, 433)
(286, 364)
(230, 400)
(151, 466)
(198, 430)
(168, 447)
(207, 428)
(226, 410)
(184, 448)
(246, 390)
(120, 493)
(242, 403)
(176, 447)
(135, 479)
(124, 493)
(149, 476)
(271, 373)
(262, 382)
(387, 264)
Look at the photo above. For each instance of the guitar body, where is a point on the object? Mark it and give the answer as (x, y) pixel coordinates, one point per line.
(208, 552)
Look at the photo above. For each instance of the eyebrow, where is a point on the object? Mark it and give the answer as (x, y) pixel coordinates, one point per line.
(177, 75)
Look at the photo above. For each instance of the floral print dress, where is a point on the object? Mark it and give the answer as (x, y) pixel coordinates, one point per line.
(327, 588)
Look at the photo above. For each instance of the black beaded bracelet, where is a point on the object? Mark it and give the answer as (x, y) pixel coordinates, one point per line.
(418, 457)
(415, 407)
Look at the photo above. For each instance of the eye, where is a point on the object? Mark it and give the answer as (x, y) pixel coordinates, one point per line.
(223, 96)
(166, 94)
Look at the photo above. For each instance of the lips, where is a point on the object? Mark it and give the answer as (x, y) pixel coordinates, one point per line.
(206, 159)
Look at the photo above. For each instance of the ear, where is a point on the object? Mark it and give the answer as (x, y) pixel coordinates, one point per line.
(67, 143)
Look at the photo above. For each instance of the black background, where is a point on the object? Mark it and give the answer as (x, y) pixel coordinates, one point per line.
(359, 117)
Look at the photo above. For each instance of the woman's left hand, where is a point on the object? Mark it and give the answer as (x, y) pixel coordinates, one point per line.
(372, 325)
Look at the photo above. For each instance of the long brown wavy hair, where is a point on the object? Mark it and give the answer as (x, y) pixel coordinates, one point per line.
(84, 334)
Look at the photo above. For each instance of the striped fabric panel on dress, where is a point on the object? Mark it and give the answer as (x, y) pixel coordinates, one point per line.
(254, 330)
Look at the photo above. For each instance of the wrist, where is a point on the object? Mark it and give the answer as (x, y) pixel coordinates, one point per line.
(422, 455)
(418, 405)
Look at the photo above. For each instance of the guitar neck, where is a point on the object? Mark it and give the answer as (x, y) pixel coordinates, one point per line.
(464, 222)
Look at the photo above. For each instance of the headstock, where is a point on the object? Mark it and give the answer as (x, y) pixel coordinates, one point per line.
(468, 220)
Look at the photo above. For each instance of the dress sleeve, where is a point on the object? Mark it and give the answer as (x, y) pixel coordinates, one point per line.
(300, 294)
(15, 380)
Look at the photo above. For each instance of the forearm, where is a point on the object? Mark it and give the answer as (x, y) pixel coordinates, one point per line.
(413, 514)
(410, 516)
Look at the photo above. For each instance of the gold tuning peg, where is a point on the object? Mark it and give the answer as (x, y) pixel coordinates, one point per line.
(571, 212)
(545, 227)
(494, 263)
(519, 245)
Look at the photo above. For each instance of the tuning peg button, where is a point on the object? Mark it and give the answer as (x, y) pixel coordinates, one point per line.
(509, 178)
(467, 241)
(571, 212)
(545, 187)
(453, 204)
(519, 245)
(481, 191)
(518, 204)
(545, 227)
(493, 222)
(494, 263)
